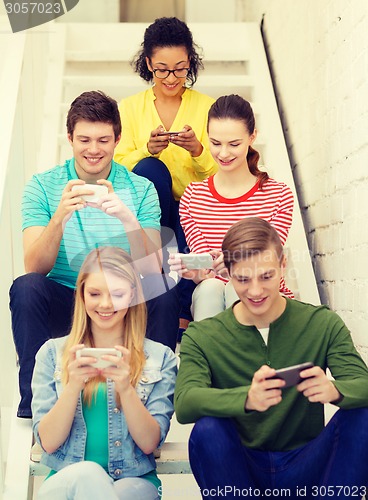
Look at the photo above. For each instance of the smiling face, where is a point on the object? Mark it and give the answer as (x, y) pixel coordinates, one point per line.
(93, 146)
(229, 143)
(256, 280)
(107, 298)
(168, 58)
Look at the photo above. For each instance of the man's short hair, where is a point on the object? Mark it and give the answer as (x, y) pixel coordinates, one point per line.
(94, 106)
(249, 237)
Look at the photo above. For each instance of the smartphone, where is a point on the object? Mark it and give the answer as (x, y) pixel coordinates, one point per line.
(97, 352)
(197, 260)
(291, 374)
(98, 191)
(168, 133)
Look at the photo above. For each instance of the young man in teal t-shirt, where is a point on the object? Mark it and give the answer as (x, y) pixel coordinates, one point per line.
(253, 434)
(61, 225)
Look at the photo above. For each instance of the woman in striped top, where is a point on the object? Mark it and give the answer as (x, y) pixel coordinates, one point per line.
(239, 189)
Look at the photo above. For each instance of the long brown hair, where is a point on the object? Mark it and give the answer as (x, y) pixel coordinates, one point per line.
(116, 261)
(235, 107)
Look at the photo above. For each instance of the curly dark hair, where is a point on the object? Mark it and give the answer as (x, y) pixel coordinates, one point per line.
(94, 106)
(167, 32)
(236, 108)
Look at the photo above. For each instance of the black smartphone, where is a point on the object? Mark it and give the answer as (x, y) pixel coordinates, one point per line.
(291, 374)
(168, 133)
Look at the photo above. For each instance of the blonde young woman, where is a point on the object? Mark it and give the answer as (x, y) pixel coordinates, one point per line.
(98, 427)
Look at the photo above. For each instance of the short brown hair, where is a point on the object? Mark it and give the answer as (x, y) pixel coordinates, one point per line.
(248, 237)
(94, 106)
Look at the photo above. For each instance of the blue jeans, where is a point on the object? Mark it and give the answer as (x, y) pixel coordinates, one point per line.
(337, 457)
(156, 171)
(42, 308)
(88, 480)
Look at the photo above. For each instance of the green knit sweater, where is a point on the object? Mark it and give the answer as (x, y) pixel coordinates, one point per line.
(218, 357)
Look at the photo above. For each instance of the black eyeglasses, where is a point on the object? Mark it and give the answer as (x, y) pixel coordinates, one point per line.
(164, 73)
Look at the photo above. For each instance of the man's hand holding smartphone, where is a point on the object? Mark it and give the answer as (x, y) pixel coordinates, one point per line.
(291, 375)
(317, 387)
(266, 387)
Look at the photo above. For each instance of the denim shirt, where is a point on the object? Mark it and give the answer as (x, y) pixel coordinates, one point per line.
(155, 389)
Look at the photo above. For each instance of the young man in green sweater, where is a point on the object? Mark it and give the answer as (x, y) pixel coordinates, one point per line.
(253, 436)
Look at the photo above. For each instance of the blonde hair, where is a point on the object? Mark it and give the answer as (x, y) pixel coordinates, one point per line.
(118, 262)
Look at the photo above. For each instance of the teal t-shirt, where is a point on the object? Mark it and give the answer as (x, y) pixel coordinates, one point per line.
(96, 419)
(90, 227)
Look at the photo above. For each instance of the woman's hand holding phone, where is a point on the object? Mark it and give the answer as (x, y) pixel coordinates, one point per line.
(192, 266)
(187, 139)
(219, 264)
(80, 369)
(158, 141)
(119, 372)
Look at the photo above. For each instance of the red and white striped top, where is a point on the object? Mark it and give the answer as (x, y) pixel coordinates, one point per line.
(206, 216)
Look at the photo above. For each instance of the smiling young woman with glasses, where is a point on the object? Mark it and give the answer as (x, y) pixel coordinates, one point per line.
(169, 60)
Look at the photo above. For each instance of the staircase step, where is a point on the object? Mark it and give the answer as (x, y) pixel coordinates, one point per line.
(174, 460)
(120, 42)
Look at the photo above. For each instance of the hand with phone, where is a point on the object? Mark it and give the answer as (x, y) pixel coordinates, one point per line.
(292, 374)
(196, 260)
(112, 363)
(187, 139)
(80, 369)
(71, 201)
(268, 383)
(91, 193)
(192, 266)
(317, 387)
(158, 140)
(120, 373)
(103, 357)
(265, 390)
(219, 264)
(112, 205)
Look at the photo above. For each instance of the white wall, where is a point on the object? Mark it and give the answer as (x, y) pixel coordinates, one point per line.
(22, 79)
(92, 11)
(146, 11)
(319, 56)
(210, 11)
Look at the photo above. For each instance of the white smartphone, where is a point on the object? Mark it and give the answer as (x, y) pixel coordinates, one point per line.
(98, 191)
(197, 260)
(97, 352)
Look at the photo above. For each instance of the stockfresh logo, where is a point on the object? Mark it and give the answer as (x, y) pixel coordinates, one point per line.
(24, 15)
